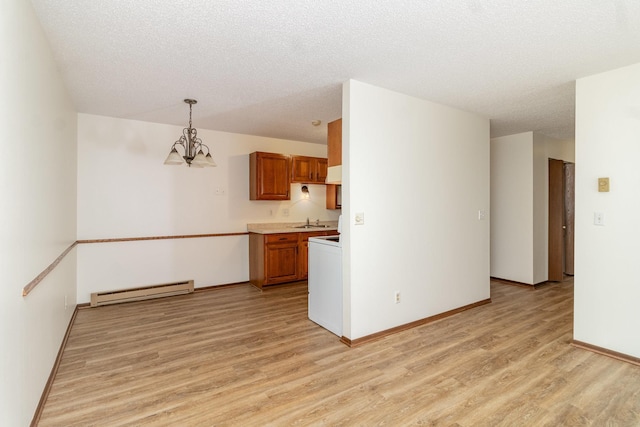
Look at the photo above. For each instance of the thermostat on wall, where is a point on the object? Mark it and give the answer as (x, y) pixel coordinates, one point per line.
(603, 185)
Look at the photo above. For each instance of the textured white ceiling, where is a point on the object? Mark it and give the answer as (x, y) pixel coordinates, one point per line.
(271, 67)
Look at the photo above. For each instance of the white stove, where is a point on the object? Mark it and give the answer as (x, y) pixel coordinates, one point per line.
(327, 240)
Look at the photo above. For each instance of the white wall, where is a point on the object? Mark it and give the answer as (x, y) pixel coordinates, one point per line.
(607, 269)
(419, 172)
(512, 207)
(125, 190)
(38, 215)
(520, 204)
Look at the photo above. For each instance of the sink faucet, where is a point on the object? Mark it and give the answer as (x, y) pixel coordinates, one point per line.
(318, 221)
(307, 220)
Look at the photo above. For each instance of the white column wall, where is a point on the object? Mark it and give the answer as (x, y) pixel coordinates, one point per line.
(512, 207)
(607, 269)
(125, 190)
(419, 172)
(38, 215)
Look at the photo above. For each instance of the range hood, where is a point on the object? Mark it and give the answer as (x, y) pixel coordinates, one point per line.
(334, 175)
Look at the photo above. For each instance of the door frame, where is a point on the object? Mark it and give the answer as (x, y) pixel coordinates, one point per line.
(561, 215)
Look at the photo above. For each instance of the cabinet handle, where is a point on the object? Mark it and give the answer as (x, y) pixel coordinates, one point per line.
(282, 238)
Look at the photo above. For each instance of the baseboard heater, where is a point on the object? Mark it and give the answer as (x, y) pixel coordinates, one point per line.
(143, 293)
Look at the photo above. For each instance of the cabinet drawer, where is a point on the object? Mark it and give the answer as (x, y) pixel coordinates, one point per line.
(281, 238)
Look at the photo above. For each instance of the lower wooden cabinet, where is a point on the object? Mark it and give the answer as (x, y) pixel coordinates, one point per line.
(303, 251)
(280, 258)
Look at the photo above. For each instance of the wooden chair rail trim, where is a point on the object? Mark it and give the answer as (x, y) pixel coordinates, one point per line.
(410, 325)
(32, 284)
(184, 236)
(54, 371)
(606, 352)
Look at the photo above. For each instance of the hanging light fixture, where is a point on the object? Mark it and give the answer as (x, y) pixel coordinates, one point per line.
(305, 192)
(192, 145)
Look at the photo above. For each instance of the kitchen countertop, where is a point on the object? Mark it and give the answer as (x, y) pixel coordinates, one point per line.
(289, 227)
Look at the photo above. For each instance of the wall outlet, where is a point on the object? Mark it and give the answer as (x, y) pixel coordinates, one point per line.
(285, 212)
(65, 302)
(396, 297)
(482, 214)
(359, 220)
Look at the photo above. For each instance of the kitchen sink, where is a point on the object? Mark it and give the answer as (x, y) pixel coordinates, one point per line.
(311, 226)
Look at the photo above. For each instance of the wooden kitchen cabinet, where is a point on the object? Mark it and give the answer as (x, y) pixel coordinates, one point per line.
(334, 158)
(281, 257)
(273, 258)
(334, 143)
(333, 196)
(269, 176)
(303, 251)
(308, 170)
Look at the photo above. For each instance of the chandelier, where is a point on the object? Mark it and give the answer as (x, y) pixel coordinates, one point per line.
(192, 146)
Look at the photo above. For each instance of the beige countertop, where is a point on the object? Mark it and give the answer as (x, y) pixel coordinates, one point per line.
(290, 227)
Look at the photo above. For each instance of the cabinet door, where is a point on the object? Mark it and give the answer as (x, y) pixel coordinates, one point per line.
(303, 260)
(333, 197)
(281, 262)
(334, 142)
(269, 176)
(321, 170)
(303, 169)
(303, 252)
(309, 170)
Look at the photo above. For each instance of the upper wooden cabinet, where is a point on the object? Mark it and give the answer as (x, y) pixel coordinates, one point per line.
(308, 170)
(334, 154)
(334, 142)
(269, 176)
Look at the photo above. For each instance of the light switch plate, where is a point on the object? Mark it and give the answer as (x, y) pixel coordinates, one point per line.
(359, 218)
(598, 218)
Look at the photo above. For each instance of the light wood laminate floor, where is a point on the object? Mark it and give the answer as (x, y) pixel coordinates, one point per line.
(240, 357)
